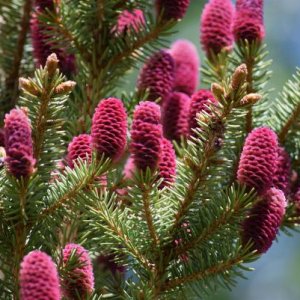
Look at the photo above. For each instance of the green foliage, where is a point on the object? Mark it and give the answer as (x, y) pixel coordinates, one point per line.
(182, 241)
(284, 116)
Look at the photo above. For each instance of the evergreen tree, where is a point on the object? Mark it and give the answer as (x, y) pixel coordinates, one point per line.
(164, 192)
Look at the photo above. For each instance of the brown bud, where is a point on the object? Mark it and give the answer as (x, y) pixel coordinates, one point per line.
(51, 64)
(28, 86)
(250, 99)
(217, 90)
(239, 76)
(65, 87)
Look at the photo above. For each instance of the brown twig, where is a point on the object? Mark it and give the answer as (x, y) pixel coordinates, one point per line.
(11, 82)
(291, 120)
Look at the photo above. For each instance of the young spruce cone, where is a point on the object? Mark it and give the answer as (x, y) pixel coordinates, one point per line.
(157, 76)
(146, 135)
(175, 112)
(79, 147)
(18, 144)
(258, 160)
(264, 220)
(79, 283)
(42, 48)
(109, 128)
(129, 20)
(199, 103)
(187, 64)
(282, 176)
(249, 23)
(167, 163)
(216, 26)
(38, 278)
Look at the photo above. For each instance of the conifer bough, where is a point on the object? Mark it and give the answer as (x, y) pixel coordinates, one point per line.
(164, 192)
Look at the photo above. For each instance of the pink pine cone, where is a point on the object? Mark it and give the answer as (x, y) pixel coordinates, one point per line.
(18, 144)
(199, 103)
(255, 5)
(146, 136)
(42, 48)
(187, 64)
(172, 9)
(146, 112)
(157, 75)
(249, 23)
(282, 176)
(167, 164)
(129, 20)
(109, 128)
(259, 159)
(79, 147)
(80, 281)
(175, 115)
(38, 277)
(264, 220)
(216, 26)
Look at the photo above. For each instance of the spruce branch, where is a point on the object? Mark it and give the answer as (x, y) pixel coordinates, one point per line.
(253, 54)
(68, 187)
(114, 222)
(233, 209)
(222, 267)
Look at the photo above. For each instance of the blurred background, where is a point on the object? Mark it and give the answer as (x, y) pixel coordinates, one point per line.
(277, 273)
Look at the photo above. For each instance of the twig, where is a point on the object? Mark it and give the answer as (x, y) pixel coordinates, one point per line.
(201, 275)
(11, 82)
(285, 129)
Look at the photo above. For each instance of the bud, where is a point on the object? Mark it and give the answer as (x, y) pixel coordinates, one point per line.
(218, 91)
(28, 86)
(250, 99)
(65, 87)
(239, 76)
(51, 64)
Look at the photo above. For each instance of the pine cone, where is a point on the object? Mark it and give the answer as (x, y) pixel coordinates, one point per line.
(146, 136)
(79, 283)
(79, 147)
(167, 164)
(157, 75)
(42, 48)
(282, 176)
(249, 23)
(216, 26)
(18, 144)
(199, 102)
(146, 112)
(172, 9)
(259, 159)
(187, 64)
(264, 220)
(38, 277)
(129, 20)
(175, 115)
(109, 128)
